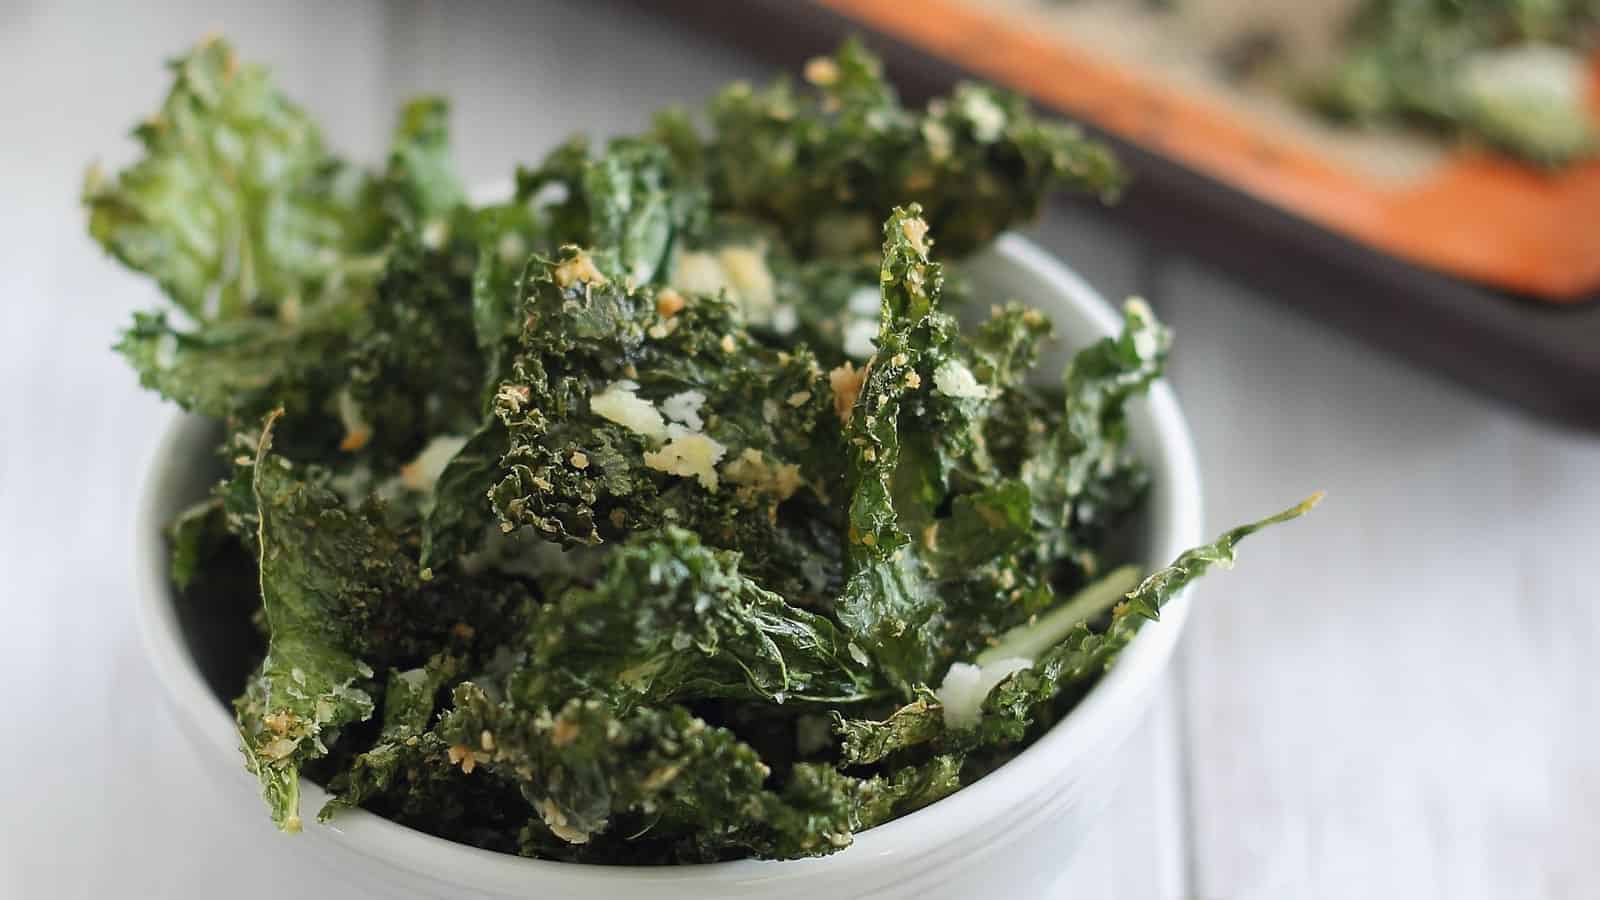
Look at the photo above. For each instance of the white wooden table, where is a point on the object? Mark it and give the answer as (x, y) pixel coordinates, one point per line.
(1396, 698)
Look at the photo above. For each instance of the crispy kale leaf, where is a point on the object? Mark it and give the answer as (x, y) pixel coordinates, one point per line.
(869, 741)
(579, 766)
(421, 185)
(1084, 653)
(636, 208)
(576, 520)
(341, 594)
(672, 620)
(887, 602)
(1510, 73)
(632, 199)
(825, 166)
(1040, 660)
(628, 201)
(236, 207)
(196, 534)
(690, 788)
(947, 546)
(460, 513)
(414, 373)
(241, 368)
(344, 334)
(622, 414)
(1083, 478)
(320, 565)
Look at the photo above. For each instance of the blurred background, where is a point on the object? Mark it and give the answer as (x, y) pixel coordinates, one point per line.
(1404, 704)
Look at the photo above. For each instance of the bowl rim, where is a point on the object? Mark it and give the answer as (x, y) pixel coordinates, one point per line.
(912, 842)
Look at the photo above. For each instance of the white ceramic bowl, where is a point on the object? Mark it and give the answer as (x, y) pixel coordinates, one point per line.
(1014, 830)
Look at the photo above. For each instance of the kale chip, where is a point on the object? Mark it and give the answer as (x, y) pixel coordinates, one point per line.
(1513, 75)
(662, 512)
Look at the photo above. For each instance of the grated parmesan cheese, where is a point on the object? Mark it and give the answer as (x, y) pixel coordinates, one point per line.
(698, 273)
(1144, 343)
(954, 379)
(747, 272)
(784, 319)
(865, 301)
(966, 686)
(357, 431)
(618, 403)
(740, 271)
(423, 472)
(685, 407)
(579, 269)
(988, 120)
(751, 470)
(688, 454)
(916, 231)
(860, 338)
(556, 821)
(846, 381)
(938, 138)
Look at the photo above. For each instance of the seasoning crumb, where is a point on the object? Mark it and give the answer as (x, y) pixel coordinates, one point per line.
(846, 381)
(462, 755)
(822, 71)
(916, 231)
(669, 302)
(579, 269)
(356, 438)
(565, 732)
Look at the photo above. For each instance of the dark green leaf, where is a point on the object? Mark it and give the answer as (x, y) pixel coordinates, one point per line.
(577, 520)
(825, 166)
(318, 563)
(421, 180)
(236, 206)
(1085, 479)
(1510, 74)
(672, 620)
(241, 368)
(196, 534)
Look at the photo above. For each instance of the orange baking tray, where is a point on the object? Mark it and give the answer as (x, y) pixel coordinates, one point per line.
(1486, 331)
(1472, 214)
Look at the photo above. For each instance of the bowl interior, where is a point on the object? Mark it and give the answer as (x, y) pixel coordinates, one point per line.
(204, 645)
